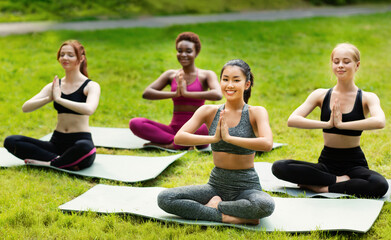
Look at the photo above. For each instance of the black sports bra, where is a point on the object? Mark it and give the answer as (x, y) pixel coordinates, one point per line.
(76, 96)
(357, 113)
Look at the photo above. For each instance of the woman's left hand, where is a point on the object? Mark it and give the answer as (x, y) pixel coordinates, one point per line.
(56, 91)
(224, 127)
(337, 115)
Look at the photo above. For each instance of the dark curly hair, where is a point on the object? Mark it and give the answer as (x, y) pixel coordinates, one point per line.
(191, 37)
(245, 68)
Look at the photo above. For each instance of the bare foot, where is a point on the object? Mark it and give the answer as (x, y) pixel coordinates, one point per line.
(237, 220)
(314, 188)
(36, 162)
(342, 178)
(214, 202)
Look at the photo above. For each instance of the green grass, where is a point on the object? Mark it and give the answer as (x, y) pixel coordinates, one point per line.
(289, 60)
(68, 10)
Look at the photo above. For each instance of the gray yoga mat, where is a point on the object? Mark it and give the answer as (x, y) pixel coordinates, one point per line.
(125, 139)
(272, 184)
(122, 168)
(290, 214)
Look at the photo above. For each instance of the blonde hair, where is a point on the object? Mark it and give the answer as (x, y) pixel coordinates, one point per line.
(351, 48)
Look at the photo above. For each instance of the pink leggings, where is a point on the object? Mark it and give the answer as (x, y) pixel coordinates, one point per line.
(163, 134)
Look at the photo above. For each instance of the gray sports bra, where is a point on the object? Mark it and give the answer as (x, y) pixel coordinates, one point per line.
(243, 129)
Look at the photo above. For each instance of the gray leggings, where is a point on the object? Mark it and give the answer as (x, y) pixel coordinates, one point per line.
(239, 189)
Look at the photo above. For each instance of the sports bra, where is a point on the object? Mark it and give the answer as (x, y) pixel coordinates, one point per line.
(76, 96)
(193, 87)
(357, 113)
(243, 129)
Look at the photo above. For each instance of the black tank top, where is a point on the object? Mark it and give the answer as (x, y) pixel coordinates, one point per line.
(357, 113)
(76, 96)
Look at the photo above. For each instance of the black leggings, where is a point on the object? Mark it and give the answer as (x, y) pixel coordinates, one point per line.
(335, 162)
(73, 151)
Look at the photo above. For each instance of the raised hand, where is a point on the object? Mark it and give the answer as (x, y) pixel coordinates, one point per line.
(336, 114)
(223, 126)
(56, 91)
(181, 83)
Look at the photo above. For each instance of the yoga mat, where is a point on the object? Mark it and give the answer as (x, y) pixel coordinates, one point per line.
(271, 183)
(122, 168)
(290, 214)
(125, 139)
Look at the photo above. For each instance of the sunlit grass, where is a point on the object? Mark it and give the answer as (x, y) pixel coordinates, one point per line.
(289, 60)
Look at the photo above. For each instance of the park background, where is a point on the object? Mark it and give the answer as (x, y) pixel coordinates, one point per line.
(289, 58)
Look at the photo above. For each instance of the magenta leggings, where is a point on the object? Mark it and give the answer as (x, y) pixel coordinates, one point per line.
(163, 134)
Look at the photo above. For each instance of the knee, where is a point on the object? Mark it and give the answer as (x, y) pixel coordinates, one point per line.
(164, 200)
(135, 124)
(380, 187)
(279, 167)
(10, 142)
(263, 207)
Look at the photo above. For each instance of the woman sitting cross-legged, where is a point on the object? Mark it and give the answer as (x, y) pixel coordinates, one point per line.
(236, 130)
(342, 167)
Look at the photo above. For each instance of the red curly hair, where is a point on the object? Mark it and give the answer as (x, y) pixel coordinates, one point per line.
(191, 37)
(80, 51)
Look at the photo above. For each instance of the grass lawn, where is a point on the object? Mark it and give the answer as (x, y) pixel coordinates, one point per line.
(69, 10)
(289, 60)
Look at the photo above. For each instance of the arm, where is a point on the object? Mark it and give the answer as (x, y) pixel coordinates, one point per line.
(264, 140)
(87, 108)
(377, 120)
(298, 117)
(186, 137)
(154, 90)
(214, 94)
(39, 100)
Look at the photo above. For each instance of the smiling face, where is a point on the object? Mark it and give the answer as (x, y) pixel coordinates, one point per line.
(233, 83)
(344, 64)
(186, 53)
(68, 58)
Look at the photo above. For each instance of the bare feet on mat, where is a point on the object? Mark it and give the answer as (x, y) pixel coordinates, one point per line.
(342, 178)
(237, 220)
(36, 162)
(314, 188)
(214, 202)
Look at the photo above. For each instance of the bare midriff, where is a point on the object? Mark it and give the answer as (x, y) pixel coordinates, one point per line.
(340, 141)
(71, 123)
(233, 161)
(185, 108)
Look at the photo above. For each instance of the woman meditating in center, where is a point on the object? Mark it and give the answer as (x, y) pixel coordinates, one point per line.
(342, 167)
(236, 130)
(189, 90)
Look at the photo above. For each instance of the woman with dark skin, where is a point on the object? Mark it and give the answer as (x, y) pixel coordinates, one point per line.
(342, 167)
(189, 90)
(75, 97)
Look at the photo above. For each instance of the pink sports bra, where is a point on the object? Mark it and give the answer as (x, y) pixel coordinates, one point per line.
(193, 87)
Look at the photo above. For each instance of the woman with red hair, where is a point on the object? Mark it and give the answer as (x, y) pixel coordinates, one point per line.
(75, 97)
(189, 90)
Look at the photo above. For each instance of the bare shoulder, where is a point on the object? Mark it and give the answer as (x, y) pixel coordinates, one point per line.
(369, 97)
(208, 109)
(257, 110)
(206, 74)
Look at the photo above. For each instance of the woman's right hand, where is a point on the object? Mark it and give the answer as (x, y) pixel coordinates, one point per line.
(181, 84)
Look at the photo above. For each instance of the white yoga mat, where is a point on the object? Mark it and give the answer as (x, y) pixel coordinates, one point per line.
(122, 168)
(125, 139)
(271, 183)
(290, 214)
